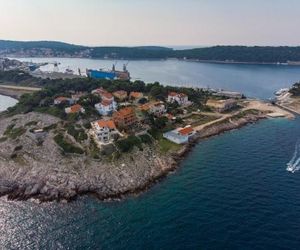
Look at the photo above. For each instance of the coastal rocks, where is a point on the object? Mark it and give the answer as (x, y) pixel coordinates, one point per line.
(43, 173)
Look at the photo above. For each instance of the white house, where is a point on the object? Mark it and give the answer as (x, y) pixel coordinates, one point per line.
(106, 107)
(104, 130)
(181, 98)
(155, 108)
(63, 99)
(180, 135)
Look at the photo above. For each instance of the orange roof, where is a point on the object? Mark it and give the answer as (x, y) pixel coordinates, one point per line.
(186, 131)
(76, 108)
(145, 107)
(136, 94)
(109, 124)
(126, 111)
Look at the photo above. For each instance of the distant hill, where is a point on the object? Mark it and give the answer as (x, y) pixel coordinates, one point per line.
(228, 54)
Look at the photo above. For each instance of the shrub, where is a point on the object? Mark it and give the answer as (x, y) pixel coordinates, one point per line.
(67, 147)
(126, 145)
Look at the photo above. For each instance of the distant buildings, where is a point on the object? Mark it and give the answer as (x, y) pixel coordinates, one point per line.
(181, 98)
(104, 131)
(221, 105)
(180, 135)
(75, 109)
(125, 117)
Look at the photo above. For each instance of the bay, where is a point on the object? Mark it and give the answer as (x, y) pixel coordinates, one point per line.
(231, 192)
(258, 81)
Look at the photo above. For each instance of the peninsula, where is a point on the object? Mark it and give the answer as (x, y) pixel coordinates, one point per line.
(107, 138)
(216, 54)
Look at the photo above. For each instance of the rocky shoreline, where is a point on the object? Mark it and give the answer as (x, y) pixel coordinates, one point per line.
(44, 174)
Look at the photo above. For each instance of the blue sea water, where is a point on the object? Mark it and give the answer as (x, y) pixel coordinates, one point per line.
(253, 80)
(232, 192)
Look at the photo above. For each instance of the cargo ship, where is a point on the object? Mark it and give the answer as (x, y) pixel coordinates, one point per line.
(112, 74)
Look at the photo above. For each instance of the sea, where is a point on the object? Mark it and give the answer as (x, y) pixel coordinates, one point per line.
(233, 191)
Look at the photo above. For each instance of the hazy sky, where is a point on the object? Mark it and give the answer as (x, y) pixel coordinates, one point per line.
(153, 22)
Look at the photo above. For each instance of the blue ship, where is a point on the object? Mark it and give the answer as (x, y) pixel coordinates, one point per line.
(109, 74)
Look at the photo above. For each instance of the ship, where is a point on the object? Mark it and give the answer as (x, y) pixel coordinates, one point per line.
(112, 74)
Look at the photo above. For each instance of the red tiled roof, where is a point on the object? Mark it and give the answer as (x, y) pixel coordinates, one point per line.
(136, 94)
(125, 111)
(186, 131)
(61, 98)
(76, 108)
(103, 123)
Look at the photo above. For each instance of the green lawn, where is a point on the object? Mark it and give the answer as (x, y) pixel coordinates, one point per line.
(167, 146)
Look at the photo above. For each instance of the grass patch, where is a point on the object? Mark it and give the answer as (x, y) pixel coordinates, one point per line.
(127, 145)
(66, 146)
(94, 150)
(78, 133)
(245, 113)
(167, 146)
(54, 111)
(32, 123)
(3, 139)
(13, 132)
(196, 120)
(146, 139)
(50, 127)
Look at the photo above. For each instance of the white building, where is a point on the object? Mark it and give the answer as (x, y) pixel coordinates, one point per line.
(104, 131)
(180, 135)
(62, 99)
(106, 107)
(181, 98)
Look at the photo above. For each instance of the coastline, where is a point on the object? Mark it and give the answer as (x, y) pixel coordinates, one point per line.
(38, 186)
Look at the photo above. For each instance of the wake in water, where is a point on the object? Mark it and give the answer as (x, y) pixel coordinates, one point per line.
(294, 163)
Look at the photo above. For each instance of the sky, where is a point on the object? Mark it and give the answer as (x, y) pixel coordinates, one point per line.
(152, 22)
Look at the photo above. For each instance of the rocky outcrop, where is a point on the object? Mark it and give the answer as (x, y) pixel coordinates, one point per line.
(30, 170)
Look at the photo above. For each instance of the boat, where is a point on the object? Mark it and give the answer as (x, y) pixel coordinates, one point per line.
(112, 74)
(281, 91)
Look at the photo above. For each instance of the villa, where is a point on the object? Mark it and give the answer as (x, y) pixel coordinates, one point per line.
(222, 105)
(181, 98)
(155, 108)
(180, 135)
(75, 109)
(104, 131)
(62, 99)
